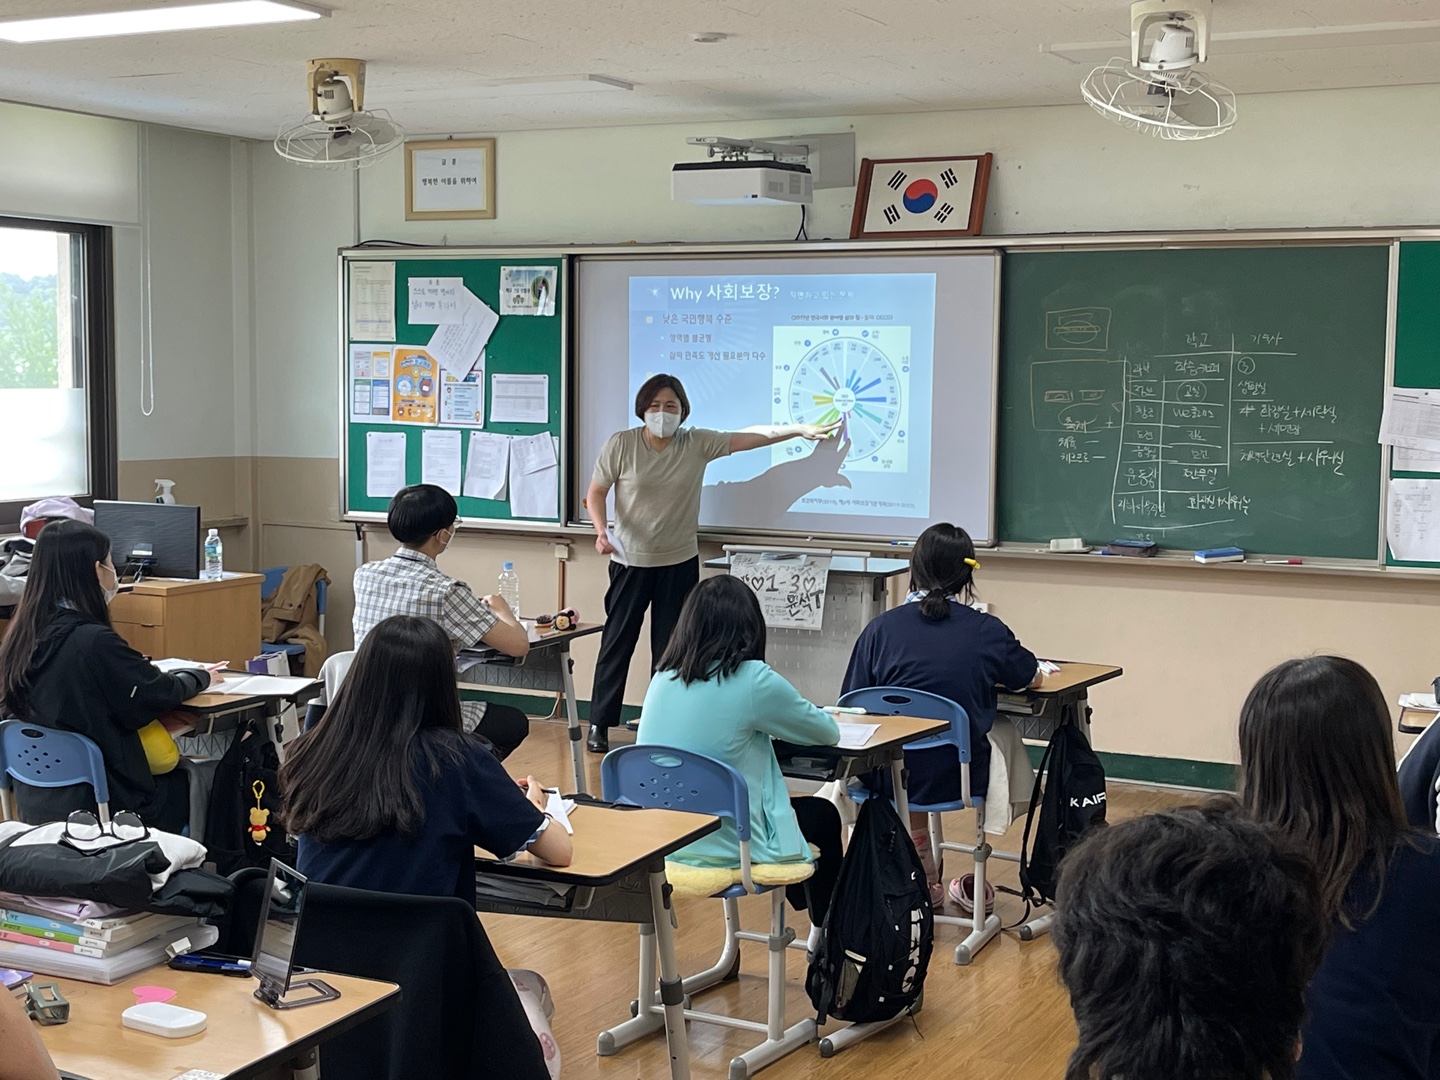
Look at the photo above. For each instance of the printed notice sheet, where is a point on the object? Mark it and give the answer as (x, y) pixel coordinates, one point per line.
(486, 465)
(527, 290)
(462, 403)
(519, 399)
(533, 494)
(384, 463)
(372, 301)
(1412, 524)
(1411, 419)
(370, 382)
(459, 344)
(440, 459)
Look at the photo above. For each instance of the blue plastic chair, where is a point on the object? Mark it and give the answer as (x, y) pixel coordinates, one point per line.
(667, 778)
(271, 582)
(898, 701)
(46, 758)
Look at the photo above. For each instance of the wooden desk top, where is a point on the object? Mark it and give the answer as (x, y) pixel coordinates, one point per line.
(1075, 676)
(609, 842)
(165, 586)
(894, 731)
(556, 637)
(243, 1036)
(211, 702)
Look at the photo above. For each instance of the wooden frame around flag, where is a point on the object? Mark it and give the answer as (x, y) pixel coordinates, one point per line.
(921, 197)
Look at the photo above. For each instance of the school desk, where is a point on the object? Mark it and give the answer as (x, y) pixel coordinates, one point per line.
(1414, 721)
(617, 874)
(243, 1038)
(547, 667)
(199, 620)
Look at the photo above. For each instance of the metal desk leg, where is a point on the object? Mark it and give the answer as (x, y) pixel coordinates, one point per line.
(657, 938)
(572, 724)
(836, 1041)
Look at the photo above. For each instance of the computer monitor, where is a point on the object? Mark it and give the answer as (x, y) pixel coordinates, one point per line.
(151, 539)
(273, 961)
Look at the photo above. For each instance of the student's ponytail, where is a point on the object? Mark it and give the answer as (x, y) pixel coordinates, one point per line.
(943, 566)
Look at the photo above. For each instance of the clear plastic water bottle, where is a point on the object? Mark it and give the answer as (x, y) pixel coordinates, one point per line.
(214, 556)
(510, 587)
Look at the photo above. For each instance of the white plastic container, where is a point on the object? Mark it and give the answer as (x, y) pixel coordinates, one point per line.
(167, 1021)
(214, 557)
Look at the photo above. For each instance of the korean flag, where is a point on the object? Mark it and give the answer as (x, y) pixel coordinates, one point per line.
(920, 196)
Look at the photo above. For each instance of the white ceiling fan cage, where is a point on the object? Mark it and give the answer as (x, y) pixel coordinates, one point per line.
(1177, 105)
(339, 133)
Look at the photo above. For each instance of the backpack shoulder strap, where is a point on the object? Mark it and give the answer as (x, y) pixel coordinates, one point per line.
(1034, 812)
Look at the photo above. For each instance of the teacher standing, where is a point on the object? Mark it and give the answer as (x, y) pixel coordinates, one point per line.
(657, 471)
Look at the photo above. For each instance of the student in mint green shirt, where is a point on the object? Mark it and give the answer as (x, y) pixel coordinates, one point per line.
(713, 694)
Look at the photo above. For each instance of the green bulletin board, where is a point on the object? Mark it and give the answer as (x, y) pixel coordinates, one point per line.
(519, 344)
(1417, 338)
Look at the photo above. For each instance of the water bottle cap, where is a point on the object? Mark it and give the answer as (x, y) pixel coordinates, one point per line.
(507, 566)
(212, 532)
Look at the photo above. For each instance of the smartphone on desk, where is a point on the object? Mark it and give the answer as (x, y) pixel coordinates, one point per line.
(212, 964)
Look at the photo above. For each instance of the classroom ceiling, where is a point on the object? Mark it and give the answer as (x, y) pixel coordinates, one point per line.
(434, 64)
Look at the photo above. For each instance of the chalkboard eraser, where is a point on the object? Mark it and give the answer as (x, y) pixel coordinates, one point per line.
(1073, 545)
(1223, 554)
(1143, 549)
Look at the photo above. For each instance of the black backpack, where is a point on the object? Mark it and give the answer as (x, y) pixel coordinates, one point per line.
(875, 945)
(246, 780)
(1073, 801)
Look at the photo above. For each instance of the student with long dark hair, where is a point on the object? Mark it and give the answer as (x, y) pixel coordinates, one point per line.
(938, 643)
(1185, 940)
(388, 792)
(713, 694)
(62, 666)
(1317, 762)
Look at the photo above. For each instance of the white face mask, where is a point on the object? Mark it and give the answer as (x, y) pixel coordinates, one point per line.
(662, 424)
(110, 594)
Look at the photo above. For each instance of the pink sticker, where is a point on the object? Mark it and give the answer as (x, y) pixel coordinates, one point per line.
(146, 994)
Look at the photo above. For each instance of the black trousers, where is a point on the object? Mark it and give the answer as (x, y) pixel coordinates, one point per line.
(820, 824)
(504, 727)
(632, 590)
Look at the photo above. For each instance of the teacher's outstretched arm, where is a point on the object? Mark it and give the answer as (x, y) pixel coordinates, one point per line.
(595, 500)
(752, 438)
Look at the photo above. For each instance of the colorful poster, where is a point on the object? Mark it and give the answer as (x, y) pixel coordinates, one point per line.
(462, 401)
(416, 395)
(370, 382)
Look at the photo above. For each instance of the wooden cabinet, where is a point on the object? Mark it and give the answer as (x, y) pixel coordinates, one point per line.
(192, 620)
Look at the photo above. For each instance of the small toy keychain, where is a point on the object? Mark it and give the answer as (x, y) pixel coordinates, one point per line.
(259, 816)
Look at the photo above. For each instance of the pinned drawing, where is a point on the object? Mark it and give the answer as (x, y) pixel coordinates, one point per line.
(1078, 329)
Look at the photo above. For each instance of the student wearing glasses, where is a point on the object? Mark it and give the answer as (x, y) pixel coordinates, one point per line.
(63, 666)
(423, 518)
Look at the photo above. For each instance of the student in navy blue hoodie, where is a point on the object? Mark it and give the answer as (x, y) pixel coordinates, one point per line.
(63, 666)
(938, 643)
(1317, 762)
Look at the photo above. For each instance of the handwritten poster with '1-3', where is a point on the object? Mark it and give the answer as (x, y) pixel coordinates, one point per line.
(791, 588)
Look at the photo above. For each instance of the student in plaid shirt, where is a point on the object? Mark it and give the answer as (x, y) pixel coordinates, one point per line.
(423, 518)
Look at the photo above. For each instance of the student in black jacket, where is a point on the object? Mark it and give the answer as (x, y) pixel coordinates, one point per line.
(62, 666)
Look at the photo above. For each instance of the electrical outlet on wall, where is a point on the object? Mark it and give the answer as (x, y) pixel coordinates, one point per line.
(562, 551)
(981, 606)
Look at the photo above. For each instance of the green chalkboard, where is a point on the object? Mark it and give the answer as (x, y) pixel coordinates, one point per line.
(1199, 397)
(1417, 337)
(520, 344)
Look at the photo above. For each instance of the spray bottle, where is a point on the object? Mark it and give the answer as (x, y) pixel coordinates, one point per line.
(165, 492)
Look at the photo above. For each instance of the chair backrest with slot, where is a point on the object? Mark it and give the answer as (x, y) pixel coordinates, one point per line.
(46, 758)
(898, 701)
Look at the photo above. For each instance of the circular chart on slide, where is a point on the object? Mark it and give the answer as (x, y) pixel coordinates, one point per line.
(850, 378)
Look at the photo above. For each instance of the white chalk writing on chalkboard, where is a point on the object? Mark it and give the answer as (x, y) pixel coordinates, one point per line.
(791, 589)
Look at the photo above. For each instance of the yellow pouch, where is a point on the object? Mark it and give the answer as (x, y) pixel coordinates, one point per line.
(160, 750)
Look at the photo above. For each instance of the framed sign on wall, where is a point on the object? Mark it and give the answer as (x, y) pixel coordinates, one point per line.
(921, 197)
(449, 179)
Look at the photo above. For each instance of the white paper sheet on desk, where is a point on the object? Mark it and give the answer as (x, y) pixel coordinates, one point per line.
(855, 736)
(173, 664)
(1412, 520)
(263, 685)
(1419, 701)
(559, 809)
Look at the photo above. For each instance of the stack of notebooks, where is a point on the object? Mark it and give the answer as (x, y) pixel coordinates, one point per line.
(90, 942)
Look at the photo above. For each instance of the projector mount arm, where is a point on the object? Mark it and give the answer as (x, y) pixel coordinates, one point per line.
(741, 149)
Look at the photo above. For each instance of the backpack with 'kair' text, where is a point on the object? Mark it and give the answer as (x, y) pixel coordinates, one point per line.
(875, 945)
(1068, 799)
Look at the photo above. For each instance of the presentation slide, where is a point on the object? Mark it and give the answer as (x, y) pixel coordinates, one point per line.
(783, 349)
(899, 349)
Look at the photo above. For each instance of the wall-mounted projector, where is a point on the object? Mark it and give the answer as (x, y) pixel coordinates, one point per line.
(741, 183)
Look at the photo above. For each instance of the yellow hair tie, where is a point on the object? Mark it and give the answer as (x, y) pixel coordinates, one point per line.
(972, 564)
